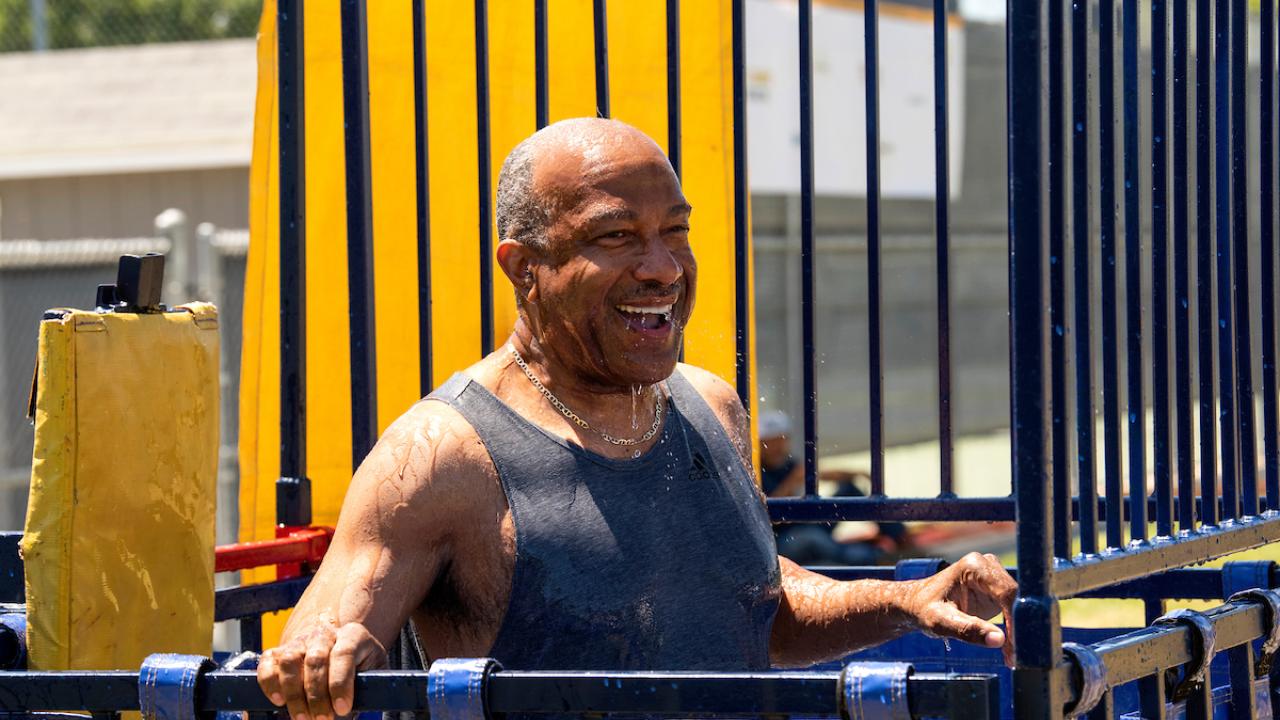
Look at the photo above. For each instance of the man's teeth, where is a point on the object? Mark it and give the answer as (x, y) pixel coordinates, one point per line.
(646, 310)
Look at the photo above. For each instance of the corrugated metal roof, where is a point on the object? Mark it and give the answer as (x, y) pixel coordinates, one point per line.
(127, 109)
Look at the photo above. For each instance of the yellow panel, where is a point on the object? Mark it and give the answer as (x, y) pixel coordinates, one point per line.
(455, 260)
(571, 59)
(638, 65)
(395, 202)
(328, 344)
(707, 144)
(120, 527)
(512, 109)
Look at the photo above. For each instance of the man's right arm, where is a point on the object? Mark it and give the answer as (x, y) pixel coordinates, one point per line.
(392, 538)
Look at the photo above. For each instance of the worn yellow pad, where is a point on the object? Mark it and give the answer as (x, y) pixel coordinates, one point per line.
(119, 534)
(637, 75)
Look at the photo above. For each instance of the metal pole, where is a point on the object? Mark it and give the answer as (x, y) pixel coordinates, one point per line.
(39, 32)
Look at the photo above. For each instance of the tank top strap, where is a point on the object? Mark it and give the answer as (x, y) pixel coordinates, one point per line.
(704, 421)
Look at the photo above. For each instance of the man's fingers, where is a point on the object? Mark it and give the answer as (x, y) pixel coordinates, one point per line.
(354, 650)
(267, 679)
(316, 678)
(289, 671)
(968, 628)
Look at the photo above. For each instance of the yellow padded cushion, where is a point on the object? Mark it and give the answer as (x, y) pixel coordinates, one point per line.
(119, 537)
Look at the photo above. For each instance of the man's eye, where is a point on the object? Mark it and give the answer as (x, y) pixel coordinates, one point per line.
(615, 235)
(678, 228)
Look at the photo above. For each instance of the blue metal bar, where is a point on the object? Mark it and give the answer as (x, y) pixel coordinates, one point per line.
(542, 101)
(1085, 574)
(673, 85)
(1151, 697)
(942, 228)
(805, 693)
(875, 374)
(1185, 454)
(1240, 663)
(1038, 689)
(806, 249)
(1267, 250)
(1204, 261)
(600, 25)
(293, 506)
(741, 200)
(484, 184)
(824, 509)
(355, 102)
(1161, 435)
(1247, 438)
(1133, 276)
(1059, 446)
(1082, 213)
(1112, 468)
(254, 600)
(425, 367)
(1222, 232)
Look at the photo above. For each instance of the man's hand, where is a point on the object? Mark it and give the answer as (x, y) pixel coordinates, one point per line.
(313, 674)
(960, 601)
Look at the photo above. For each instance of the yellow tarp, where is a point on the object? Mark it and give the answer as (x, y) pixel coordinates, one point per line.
(637, 75)
(119, 533)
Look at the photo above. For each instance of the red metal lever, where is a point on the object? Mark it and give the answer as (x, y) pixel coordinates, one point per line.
(293, 547)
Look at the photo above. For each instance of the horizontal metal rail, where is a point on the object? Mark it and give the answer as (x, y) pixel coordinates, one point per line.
(305, 545)
(1152, 650)
(941, 695)
(251, 601)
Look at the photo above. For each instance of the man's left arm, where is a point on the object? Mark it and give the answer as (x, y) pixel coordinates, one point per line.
(822, 619)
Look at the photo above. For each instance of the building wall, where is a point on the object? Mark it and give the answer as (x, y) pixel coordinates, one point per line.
(115, 206)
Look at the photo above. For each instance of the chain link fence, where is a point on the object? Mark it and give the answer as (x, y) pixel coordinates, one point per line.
(57, 24)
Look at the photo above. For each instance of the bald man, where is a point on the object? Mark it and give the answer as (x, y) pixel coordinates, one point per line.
(579, 499)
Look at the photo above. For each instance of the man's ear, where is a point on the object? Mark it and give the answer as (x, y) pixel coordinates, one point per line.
(517, 261)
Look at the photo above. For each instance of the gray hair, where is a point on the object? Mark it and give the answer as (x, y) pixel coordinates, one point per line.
(520, 213)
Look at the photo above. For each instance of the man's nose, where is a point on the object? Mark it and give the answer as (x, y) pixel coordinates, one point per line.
(659, 264)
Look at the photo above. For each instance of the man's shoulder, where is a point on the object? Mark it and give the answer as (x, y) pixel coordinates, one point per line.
(433, 441)
(710, 386)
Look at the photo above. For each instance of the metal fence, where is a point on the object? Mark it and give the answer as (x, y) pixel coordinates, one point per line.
(1212, 489)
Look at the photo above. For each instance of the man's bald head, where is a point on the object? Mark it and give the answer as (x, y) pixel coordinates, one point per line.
(537, 174)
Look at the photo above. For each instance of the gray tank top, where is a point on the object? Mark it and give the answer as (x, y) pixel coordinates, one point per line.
(664, 562)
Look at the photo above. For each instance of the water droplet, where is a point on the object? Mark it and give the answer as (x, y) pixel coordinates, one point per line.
(1222, 323)
(1079, 127)
(635, 420)
(1058, 329)
(1133, 417)
(1184, 303)
(946, 644)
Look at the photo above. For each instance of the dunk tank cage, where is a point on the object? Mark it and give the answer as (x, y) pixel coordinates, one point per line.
(1076, 139)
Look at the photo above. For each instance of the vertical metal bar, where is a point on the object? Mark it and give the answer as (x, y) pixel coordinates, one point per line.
(485, 191)
(871, 36)
(39, 28)
(673, 85)
(1240, 243)
(293, 506)
(1222, 231)
(1185, 454)
(741, 199)
(1133, 281)
(1057, 181)
(1240, 670)
(1082, 212)
(1161, 436)
(806, 248)
(1037, 690)
(942, 228)
(542, 112)
(1151, 697)
(1204, 261)
(600, 23)
(251, 633)
(1105, 709)
(1200, 702)
(1112, 468)
(425, 367)
(355, 107)
(1267, 250)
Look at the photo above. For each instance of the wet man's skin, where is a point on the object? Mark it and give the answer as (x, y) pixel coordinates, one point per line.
(425, 533)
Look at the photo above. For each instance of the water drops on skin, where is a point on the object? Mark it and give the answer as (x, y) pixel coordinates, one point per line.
(635, 397)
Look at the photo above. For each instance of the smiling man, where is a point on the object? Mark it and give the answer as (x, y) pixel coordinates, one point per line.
(578, 499)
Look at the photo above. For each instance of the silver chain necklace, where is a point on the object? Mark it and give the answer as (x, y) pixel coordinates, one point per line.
(564, 410)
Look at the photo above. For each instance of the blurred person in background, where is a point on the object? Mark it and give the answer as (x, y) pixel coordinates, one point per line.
(781, 475)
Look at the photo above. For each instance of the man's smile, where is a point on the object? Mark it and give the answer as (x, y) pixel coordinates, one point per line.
(652, 319)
